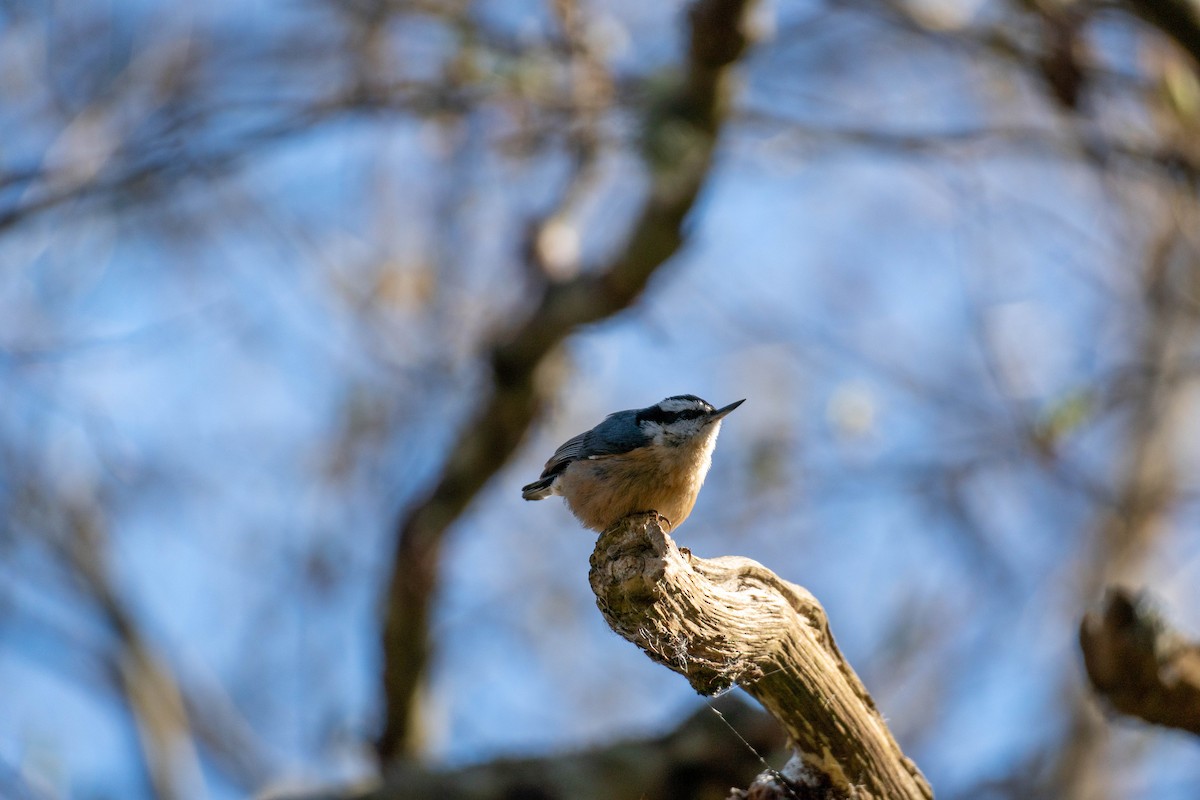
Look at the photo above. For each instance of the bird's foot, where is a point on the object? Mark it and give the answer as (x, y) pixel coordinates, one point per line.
(662, 521)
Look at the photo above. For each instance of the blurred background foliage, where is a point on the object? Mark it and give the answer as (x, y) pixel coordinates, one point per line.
(254, 258)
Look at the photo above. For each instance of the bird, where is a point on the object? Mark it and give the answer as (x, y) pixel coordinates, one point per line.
(651, 459)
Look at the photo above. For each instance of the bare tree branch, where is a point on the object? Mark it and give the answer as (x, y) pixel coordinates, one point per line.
(716, 747)
(1179, 20)
(153, 695)
(1139, 664)
(176, 723)
(728, 622)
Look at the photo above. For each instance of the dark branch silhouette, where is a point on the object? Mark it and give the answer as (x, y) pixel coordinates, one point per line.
(1139, 664)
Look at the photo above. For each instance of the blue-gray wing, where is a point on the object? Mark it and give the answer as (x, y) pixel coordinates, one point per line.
(619, 433)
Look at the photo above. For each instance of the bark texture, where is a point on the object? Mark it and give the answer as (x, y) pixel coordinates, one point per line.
(729, 621)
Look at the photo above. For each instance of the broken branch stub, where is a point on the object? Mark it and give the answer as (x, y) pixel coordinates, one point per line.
(1140, 664)
(730, 621)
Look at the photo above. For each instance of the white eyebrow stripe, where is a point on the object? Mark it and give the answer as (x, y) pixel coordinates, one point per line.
(681, 405)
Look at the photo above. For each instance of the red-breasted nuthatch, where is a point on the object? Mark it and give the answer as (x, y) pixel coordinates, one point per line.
(640, 460)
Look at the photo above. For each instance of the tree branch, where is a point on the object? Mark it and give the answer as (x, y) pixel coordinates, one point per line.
(1139, 664)
(698, 759)
(681, 135)
(1178, 20)
(728, 622)
(153, 696)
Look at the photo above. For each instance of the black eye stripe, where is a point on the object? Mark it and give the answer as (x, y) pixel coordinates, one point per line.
(656, 414)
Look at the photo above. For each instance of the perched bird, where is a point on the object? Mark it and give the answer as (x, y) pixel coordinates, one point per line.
(643, 459)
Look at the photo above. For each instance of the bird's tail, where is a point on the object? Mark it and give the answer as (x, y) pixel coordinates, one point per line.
(539, 490)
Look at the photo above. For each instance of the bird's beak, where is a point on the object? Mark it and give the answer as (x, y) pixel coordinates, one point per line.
(721, 413)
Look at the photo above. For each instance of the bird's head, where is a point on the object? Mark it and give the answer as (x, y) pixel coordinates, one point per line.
(682, 419)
